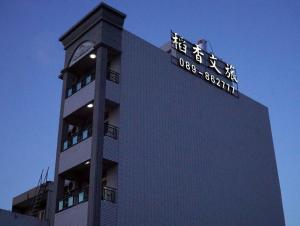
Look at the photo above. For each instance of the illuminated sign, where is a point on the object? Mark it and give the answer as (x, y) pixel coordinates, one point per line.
(193, 58)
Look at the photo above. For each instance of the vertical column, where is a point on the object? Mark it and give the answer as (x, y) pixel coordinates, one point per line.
(95, 188)
(57, 184)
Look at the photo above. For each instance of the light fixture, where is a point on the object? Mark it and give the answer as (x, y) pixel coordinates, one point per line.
(90, 105)
(92, 55)
(87, 162)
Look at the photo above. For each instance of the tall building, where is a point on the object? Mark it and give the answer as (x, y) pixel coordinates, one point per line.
(154, 136)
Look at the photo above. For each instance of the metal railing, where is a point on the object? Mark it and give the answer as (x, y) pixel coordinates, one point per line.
(113, 76)
(111, 131)
(80, 84)
(79, 196)
(109, 194)
(77, 137)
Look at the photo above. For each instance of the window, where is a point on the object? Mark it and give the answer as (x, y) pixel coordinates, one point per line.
(88, 79)
(60, 205)
(75, 140)
(70, 92)
(84, 134)
(70, 201)
(78, 86)
(66, 145)
(81, 197)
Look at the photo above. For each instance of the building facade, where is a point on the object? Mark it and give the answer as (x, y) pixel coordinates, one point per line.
(143, 142)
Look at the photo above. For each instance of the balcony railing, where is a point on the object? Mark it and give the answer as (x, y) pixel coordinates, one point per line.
(77, 137)
(79, 196)
(111, 131)
(109, 194)
(80, 84)
(74, 198)
(113, 76)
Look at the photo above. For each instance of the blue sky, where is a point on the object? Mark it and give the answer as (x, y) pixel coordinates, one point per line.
(261, 38)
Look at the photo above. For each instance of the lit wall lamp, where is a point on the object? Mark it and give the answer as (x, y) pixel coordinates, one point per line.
(90, 105)
(92, 55)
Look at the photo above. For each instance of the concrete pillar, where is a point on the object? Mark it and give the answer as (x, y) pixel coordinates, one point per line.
(95, 188)
(57, 184)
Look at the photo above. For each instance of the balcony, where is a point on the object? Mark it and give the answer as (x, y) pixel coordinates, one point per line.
(111, 131)
(80, 196)
(77, 137)
(79, 99)
(109, 194)
(113, 76)
(73, 191)
(75, 198)
(84, 81)
(89, 78)
(82, 93)
(77, 215)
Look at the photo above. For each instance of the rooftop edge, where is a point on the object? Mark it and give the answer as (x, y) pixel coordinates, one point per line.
(93, 11)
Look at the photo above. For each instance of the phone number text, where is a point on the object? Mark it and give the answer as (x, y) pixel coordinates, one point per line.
(208, 77)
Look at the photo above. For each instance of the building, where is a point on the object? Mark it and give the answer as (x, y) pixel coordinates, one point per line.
(147, 138)
(8, 218)
(31, 208)
(37, 202)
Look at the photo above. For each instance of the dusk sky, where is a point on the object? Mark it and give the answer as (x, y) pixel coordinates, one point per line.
(261, 38)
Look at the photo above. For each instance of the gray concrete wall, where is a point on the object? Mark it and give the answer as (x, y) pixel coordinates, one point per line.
(108, 213)
(75, 155)
(8, 218)
(114, 116)
(190, 154)
(115, 63)
(75, 216)
(110, 149)
(79, 99)
(112, 177)
(112, 91)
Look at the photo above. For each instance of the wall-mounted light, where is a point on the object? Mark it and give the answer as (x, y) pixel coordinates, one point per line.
(90, 105)
(92, 55)
(87, 163)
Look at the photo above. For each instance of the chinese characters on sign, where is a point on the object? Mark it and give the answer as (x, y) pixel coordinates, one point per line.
(179, 43)
(198, 53)
(196, 60)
